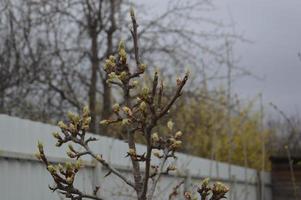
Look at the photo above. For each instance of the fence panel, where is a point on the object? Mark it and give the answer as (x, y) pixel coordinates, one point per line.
(23, 177)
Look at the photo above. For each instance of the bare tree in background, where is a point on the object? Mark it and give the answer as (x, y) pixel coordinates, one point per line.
(20, 57)
(69, 40)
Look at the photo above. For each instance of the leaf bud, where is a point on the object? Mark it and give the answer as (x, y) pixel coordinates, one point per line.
(62, 125)
(104, 122)
(125, 121)
(178, 134)
(155, 137)
(142, 106)
(170, 125)
(116, 107)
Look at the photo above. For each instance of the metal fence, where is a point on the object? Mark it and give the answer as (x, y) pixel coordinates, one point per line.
(24, 177)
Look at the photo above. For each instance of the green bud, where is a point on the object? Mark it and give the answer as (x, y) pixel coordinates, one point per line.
(62, 125)
(145, 92)
(205, 183)
(178, 134)
(104, 122)
(142, 67)
(170, 125)
(125, 121)
(78, 164)
(40, 146)
(112, 58)
(132, 152)
(69, 180)
(51, 169)
(132, 12)
(70, 154)
(56, 135)
(122, 76)
(71, 147)
(116, 107)
(86, 111)
(87, 121)
(68, 166)
(155, 137)
(121, 45)
(143, 106)
(112, 76)
(135, 83)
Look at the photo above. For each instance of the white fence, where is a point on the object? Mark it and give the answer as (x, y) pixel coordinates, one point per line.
(23, 177)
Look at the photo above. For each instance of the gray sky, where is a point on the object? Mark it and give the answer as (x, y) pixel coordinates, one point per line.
(275, 29)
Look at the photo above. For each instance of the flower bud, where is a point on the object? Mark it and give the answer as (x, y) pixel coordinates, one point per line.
(40, 147)
(219, 189)
(86, 111)
(178, 134)
(70, 154)
(56, 135)
(125, 121)
(157, 154)
(205, 183)
(127, 110)
(132, 12)
(51, 169)
(145, 92)
(104, 122)
(87, 121)
(155, 137)
(132, 152)
(78, 164)
(142, 67)
(71, 147)
(116, 107)
(68, 166)
(73, 117)
(99, 157)
(135, 83)
(178, 143)
(62, 125)
(122, 52)
(142, 106)
(109, 64)
(122, 76)
(69, 180)
(121, 45)
(112, 76)
(112, 58)
(170, 125)
(72, 128)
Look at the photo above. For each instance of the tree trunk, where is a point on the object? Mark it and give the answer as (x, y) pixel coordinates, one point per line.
(93, 83)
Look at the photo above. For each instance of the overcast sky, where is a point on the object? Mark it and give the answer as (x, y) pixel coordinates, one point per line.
(274, 27)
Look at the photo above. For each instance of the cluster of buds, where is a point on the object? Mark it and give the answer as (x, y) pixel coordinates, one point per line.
(76, 126)
(217, 191)
(124, 115)
(171, 142)
(63, 175)
(117, 69)
(110, 64)
(134, 156)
